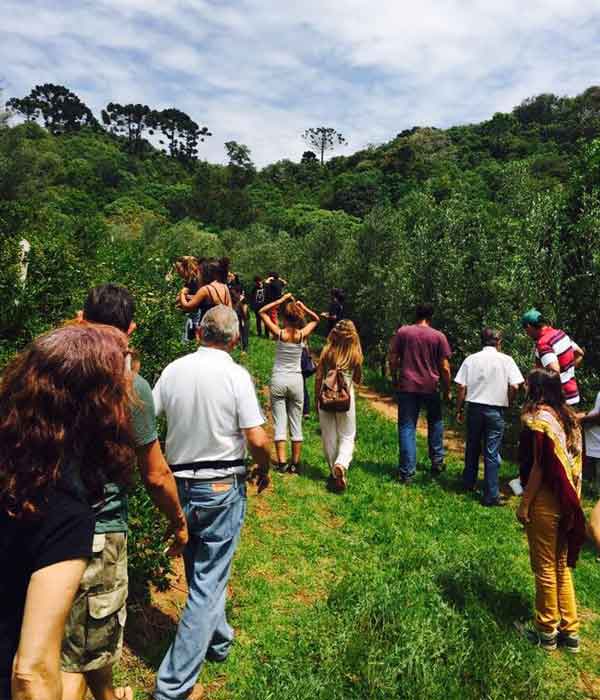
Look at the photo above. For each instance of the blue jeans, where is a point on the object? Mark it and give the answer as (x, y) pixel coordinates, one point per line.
(485, 426)
(409, 406)
(215, 519)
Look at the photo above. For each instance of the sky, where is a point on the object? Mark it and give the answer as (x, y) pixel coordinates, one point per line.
(262, 71)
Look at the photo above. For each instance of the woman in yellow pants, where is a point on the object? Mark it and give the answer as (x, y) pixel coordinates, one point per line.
(550, 508)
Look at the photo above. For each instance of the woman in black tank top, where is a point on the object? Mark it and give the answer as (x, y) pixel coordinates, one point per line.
(214, 292)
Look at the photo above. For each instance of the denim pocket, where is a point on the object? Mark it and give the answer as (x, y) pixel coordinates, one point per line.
(214, 516)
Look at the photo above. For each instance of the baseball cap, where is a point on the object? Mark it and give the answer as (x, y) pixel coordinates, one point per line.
(531, 317)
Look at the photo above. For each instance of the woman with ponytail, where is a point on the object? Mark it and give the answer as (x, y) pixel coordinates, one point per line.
(343, 352)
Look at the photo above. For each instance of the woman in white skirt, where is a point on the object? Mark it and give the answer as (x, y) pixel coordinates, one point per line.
(338, 430)
(287, 385)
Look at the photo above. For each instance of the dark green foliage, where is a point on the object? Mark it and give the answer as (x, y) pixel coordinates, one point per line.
(181, 135)
(61, 110)
(131, 122)
(482, 220)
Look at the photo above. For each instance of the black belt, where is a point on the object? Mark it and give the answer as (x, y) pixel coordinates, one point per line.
(209, 464)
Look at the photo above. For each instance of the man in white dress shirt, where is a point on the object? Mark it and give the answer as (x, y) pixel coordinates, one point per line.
(488, 380)
(212, 415)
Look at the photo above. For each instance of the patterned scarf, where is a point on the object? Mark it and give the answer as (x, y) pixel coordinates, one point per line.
(561, 472)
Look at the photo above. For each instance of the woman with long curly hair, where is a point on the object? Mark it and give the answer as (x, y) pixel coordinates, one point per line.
(64, 432)
(342, 351)
(550, 456)
(287, 385)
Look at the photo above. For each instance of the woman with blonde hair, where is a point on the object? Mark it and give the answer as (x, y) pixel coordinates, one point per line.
(343, 352)
(550, 509)
(287, 385)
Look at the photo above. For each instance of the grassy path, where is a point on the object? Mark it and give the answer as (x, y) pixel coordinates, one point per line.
(384, 592)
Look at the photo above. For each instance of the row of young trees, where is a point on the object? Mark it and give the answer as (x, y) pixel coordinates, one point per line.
(61, 111)
(481, 221)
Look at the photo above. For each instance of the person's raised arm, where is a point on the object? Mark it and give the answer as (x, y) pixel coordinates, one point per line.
(160, 484)
(273, 328)
(260, 449)
(193, 303)
(50, 595)
(313, 323)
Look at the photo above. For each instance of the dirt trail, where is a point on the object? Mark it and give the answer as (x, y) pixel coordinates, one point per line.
(387, 406)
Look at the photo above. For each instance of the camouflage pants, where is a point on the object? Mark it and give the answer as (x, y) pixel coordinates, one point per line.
(94, 630)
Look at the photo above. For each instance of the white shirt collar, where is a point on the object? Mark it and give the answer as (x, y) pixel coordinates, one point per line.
(205, 349)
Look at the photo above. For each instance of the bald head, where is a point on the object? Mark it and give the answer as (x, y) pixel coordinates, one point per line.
(219, 328)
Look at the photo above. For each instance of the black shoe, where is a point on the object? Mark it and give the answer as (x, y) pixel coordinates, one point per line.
(547, 642)
(495, 502)
(281, 467)
(568, 642)
(437, 469)
(404, 480)
(293, 468)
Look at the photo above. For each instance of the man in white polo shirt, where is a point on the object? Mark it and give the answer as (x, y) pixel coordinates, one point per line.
(212, 414)
(488, 380)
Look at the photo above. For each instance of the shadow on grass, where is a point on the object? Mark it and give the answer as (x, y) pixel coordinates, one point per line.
(472, 590)
(377, 468)
(149, 632)
(311, 471)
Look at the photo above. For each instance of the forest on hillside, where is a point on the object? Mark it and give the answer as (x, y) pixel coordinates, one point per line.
(483, 220)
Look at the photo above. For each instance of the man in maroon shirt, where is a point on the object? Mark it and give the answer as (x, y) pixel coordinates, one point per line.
(419, 359)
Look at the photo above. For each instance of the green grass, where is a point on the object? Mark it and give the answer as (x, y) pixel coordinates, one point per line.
(387, 591)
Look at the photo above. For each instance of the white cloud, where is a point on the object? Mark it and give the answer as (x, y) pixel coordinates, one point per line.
(261, 71)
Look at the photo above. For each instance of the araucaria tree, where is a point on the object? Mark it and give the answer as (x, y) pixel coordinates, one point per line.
(61, 109)
(181, 133)
(324, 138)
(130, 121)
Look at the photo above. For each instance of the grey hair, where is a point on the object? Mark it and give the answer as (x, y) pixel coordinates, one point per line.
(219, 326)
(490, 337)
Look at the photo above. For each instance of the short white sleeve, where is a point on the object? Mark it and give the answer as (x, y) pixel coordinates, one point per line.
(548, 358)
(157, 397)
(462, 376)
(514, 373)
(248, 408)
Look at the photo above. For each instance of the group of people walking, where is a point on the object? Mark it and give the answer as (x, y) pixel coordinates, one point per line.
(551, 446)
(75, 415)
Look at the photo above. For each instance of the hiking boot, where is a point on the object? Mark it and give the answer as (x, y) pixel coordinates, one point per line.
(404, 480)
(547, 642)
(568, 642)
(437, 469)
